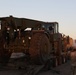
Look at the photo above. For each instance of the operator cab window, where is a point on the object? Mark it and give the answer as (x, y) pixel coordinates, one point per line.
(56, 28)
(51, 28)
(43, 27)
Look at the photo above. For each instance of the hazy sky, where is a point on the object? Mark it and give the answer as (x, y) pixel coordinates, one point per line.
(62, 11)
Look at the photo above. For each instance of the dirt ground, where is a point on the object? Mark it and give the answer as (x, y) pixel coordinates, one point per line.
(64, 69)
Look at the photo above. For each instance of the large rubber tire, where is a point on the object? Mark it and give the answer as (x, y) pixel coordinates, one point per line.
(39, 48)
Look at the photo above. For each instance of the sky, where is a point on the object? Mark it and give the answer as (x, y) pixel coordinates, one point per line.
(61, 11)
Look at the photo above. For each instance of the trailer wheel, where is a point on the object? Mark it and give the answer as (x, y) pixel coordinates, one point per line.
(39, 48)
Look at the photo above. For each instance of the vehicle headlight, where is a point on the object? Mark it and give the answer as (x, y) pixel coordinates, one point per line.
(29, 38)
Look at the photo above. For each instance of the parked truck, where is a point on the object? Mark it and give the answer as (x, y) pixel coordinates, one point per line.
(31, 40)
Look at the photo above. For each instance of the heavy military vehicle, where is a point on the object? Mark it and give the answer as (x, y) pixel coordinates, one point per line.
(35, 41)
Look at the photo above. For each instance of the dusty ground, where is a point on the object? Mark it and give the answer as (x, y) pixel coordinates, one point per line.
(64, 69)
